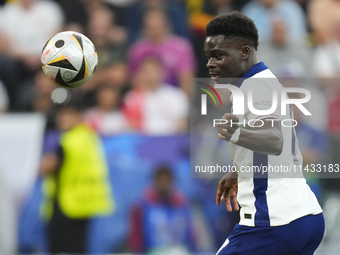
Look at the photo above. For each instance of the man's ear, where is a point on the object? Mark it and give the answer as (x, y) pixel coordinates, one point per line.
(246, 52)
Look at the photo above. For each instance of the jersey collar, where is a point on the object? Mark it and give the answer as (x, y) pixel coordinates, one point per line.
(255, 69)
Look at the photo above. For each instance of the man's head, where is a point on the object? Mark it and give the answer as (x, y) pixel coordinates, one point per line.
(230, 45)
(279, 33)
(100, 24)
(149, 75)
(163, 179)
(107, 98)
(269, 4)
(156, 25)
(27, 4)
(68, 117)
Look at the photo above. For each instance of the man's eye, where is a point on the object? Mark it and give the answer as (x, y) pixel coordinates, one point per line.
(218, 57)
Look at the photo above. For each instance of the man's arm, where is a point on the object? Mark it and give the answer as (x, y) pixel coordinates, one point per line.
(51, 162)
(266, 139)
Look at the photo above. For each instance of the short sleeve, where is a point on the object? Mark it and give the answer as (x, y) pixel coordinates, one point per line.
(262, 98)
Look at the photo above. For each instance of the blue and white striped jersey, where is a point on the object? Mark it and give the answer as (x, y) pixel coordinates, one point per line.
(270, 198)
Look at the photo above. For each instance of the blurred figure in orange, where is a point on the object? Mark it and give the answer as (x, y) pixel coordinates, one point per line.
(153, 107)
(76, 185)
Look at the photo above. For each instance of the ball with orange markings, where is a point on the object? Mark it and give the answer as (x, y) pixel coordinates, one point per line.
(69, 59)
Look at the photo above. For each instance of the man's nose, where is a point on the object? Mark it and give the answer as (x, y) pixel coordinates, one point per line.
(211, 64)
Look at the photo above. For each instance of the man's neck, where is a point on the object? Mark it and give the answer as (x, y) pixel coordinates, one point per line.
(159, 39)
(252, 61)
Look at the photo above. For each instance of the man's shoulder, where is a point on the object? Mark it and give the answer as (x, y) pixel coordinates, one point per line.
(264, 79)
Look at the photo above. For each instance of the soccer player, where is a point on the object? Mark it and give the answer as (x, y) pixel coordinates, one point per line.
(278, 215)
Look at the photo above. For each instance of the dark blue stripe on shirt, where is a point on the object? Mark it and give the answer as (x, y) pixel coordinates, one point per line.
(260, 188)
(255, 69)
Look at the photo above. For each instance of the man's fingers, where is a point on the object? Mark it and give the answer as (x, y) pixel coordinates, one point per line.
(230, 116)
(222, 136)
(227, 202)
(233, 196)
(227, 125)
(219, 193)
(231, 119)
(223, 132)
(229, 198)
(218, 196)
(226, 132)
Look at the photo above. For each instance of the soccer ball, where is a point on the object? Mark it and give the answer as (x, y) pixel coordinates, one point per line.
(69, 59)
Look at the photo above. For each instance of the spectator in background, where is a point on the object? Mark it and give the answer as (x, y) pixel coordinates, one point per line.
(153, 107)
(201, 12)
(120, 9)
(76, 16)
(25, 26)
(3, 98)
(283, 54)
(322, 16)
(176, 12)
(175, 53)
(312, 142)
(217, 7)
(161, 222)
(326, 66)
(264, 11)
(40, 100)
(76, 185)
(313, 146)
(106, 117)
(110, 42)
(304, 4)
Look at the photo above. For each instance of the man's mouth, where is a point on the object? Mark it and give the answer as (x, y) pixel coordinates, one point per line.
(214, 75)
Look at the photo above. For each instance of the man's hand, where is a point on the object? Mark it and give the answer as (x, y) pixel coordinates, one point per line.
(49, 164)
(227, 191)
(225, 131)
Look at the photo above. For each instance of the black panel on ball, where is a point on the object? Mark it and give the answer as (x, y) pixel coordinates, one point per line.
(80, 41)
(60, 80)
(64, 64)
(80, 75)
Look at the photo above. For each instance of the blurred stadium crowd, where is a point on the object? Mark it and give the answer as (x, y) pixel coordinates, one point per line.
(148, 51)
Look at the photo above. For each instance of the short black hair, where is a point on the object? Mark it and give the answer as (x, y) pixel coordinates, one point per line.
(234, 25)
